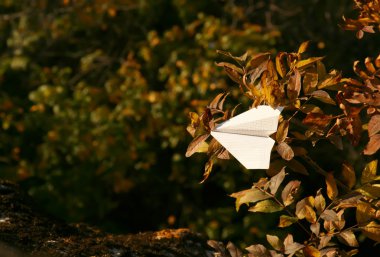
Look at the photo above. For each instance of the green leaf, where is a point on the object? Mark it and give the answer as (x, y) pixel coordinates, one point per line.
(267, 206)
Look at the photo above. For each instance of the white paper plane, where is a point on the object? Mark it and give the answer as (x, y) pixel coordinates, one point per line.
(246, 136)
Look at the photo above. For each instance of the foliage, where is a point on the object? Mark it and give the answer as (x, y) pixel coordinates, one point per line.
(319, 106)
(93, 98)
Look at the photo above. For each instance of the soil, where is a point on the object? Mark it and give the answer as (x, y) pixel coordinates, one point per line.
(26, 231)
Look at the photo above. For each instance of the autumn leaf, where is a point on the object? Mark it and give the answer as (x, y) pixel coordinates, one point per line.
(373, 145)
(258, 59)
(276, 181)
(286, 221)
(332, 190)
(208, 169)
(275, 242)
(280, 64)
(310, 81)
(319, 202)
(291, 247)
(302, 64)
(369, 172)
(317, 120)
(329, 215)
(289, 192)
(303, 47)
(258, 251)
(282, 131)
(364, 212)
(348, 238)
(374, 125)
(195, 144)
(249, 196)
(233, 250)
(372, 231)
(304, 209)
(285, 151)
(267, 206)
(311, 251)
(323, 96)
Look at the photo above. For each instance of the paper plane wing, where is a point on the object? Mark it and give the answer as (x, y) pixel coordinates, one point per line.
(261, 121)
(251, 151)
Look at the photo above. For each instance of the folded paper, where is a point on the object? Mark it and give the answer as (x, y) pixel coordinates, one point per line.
(246, 136)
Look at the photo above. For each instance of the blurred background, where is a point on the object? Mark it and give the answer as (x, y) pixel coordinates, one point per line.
(94, 97)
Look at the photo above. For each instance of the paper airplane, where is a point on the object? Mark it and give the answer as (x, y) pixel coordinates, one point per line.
(246, 136)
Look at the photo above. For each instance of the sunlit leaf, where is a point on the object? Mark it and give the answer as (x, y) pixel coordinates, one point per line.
(286, 221)
(289, 192)
(233, 250)
(267, 206)
(310, 251)
(303, 47)
(315, 228)
(329, 215)
(196, 144)
(307, 62)
(373, 145)
(364, 212)
(291, 247)
(304, 209)
(285, 151)
(372, 231)
(282, 131)
(258, 251)
(332, 189)
(208, 169)
(319, 202)
(323, 241)
(323, 96)
(249, 196)
(347, 237)
(275, 242)
(369, 172)
(276, 181)
(374, 125)
(280, 64)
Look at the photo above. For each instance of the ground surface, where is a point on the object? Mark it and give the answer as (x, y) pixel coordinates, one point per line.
(25, 231)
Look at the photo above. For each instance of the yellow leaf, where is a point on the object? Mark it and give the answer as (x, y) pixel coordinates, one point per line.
(369, 172)
(332, 190)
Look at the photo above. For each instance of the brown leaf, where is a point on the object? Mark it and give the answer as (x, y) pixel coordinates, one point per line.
(310, 81)
(285, 151)
(320, 202)
(315, 228)
(289, 192)
(249, 196)
(276, 181)
(348, 175)
(286, 221)
(233, 250)
(310, 108)
(275, 242)
(275, 167)
(291, 247)
(330, 80)
(374, 125)
(310, 251)
(364, 212)
(332, 190)
(329, 215)
(372, 231)
(208, 169)
(233, 74)
(282, 131)
(373, 145)
(259, 59)
(195, 144)
(318, 120)
(294, 85)
(369, 172)
(258, 251)
(280, 64)
(304, 209)
(348, 238)
(323, 241)
(323, 96)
